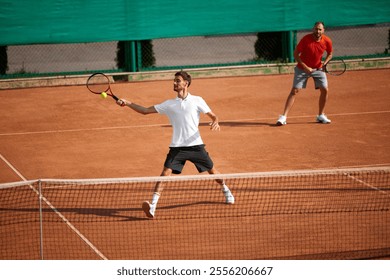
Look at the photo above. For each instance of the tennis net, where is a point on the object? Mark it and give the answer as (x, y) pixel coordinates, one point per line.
(321, 214)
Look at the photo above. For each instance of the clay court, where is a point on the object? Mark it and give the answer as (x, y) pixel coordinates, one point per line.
(69, 133)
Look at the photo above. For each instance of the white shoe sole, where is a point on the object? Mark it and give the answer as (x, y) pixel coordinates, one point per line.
(323, 122)
(146, 208)
(229, 201)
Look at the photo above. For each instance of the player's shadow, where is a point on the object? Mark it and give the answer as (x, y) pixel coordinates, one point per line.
(234, 124)
(118, 213)
(123, 216)
(192, 204)
(240, 124)
(92, 214)
(252, 124)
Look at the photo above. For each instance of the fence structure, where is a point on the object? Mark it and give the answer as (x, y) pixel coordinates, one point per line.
(64, 37)
(186, 52)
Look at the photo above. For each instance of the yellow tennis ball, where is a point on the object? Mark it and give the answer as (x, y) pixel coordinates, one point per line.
(104, 94)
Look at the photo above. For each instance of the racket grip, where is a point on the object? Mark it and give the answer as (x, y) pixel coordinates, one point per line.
(116, 98)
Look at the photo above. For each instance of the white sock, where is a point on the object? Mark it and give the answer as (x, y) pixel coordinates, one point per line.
(225, 188)
(155, 198)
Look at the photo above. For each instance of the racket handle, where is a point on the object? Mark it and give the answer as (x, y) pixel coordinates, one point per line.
(122, 104)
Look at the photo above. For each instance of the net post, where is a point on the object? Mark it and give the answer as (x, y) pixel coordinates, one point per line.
(40, 220)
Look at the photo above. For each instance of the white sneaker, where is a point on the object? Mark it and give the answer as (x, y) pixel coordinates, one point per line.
(148, 209)
(229, 198)
(282, 120)
(323, 119)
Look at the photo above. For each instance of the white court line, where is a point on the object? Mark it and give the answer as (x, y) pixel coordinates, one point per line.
(67, 222)
(167, 124)
(366, 184)
(13, 168)
(80, 129)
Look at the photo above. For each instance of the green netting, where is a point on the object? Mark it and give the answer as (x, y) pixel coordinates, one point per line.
(75, 21)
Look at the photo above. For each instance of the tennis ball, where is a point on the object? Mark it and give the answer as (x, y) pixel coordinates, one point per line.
(104, 94)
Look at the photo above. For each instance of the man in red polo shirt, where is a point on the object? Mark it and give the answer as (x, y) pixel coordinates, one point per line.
(308, 54)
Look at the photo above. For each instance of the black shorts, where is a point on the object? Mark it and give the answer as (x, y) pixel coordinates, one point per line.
(178, 156)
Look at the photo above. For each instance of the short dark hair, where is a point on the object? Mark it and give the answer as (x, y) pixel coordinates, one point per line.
(319, 22)
(185, 76)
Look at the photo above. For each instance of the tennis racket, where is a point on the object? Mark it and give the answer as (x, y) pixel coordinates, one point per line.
(335, 67)
(98, 83)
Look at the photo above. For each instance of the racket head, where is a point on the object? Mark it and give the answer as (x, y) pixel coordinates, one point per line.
(98, 83)
(335, 67)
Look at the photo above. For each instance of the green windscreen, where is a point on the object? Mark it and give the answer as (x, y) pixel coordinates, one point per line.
(76, 21)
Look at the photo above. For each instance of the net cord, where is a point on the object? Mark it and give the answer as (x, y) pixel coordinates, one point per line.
(290, 173)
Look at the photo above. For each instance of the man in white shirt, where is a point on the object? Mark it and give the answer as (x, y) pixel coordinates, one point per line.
(184, 114)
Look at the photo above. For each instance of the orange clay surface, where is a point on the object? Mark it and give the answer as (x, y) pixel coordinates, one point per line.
(67, 132)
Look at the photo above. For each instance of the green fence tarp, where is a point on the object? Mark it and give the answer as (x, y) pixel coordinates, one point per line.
(77, 21)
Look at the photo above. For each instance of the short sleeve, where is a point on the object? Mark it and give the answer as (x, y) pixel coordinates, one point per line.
(204, 108)
(162, 107)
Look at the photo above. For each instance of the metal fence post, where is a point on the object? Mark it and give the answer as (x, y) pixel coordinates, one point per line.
(289, 42)
(133, 56)
(292, 40)
(40, 219)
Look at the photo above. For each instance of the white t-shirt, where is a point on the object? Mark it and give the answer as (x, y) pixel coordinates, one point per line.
(184, 117)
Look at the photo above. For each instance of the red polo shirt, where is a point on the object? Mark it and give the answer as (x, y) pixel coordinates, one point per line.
(311, 51)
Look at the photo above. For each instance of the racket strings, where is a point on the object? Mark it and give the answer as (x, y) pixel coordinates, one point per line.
(336, 67)
(98, 83)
